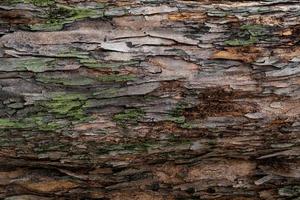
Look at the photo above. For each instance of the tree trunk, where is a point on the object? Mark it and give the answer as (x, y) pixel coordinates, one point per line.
(149, 100)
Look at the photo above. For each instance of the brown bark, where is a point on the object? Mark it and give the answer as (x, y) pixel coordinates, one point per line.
(149, 100)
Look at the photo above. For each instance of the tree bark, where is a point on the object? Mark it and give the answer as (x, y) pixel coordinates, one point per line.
(149, 100)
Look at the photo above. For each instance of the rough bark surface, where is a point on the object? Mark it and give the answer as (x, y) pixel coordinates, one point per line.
(149, 99)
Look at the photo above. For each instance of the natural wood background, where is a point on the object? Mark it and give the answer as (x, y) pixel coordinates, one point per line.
(149, 99)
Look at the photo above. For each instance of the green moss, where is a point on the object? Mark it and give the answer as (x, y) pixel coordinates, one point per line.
(212, 142)
(242, 42)
(175, 140)
(67, 105)
(48, 26)
(10, 2)
(33, 122)
(41, 123)
(40, 2)
(33, 64)
(248, 34)
(59, 15)
(149, 98)
(68, 81)
(116, 78)
(67, 96)
(134, 147)
(179, 109)
(187, 125)
(94, 64)
(128, 116)
(176, 115)
(111, 92)
(38, 64)
(15, 105)
(254, 29)
(73, 54)
(290, 191)
(62, 107)
(138, 147)
(8, 123)
(177, 120)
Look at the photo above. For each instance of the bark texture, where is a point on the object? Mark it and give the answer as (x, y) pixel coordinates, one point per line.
(149, 99)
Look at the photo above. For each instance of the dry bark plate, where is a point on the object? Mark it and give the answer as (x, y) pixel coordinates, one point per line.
(149, 99)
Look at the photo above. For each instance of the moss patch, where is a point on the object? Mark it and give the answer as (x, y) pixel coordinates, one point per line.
(187, 125)
(248, 34)
(129, 116)
(40, 2)
(242, 42)
(8, 123)
(59, 15)
(290, 191)
(116, 78)
(42, 123)
(73, 54)
(68, 81)
(177, 115)
(34, 122)
(37, 64)
(179, 109)
(177, 120)
(254, 29)
(27, 64)
(66, 105)
(55, 114)
(107, 93)
(94, 64)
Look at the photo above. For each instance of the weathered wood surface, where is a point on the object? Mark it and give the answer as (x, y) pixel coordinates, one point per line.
(149, 99)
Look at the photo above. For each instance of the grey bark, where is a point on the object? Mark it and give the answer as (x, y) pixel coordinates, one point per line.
(149, 100)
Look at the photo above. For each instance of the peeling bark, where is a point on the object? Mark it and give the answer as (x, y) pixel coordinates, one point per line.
(149, 100)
